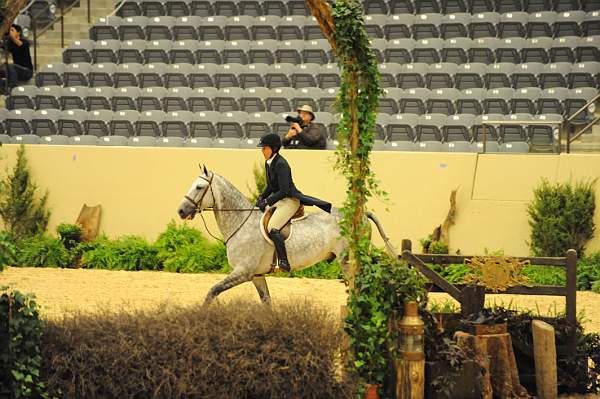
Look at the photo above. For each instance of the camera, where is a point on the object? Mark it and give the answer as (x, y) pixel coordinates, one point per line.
(293, 119)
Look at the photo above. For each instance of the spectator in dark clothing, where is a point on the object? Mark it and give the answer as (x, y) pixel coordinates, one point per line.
(306, 135)
(22, 68)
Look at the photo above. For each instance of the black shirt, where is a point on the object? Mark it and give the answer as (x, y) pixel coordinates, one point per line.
(20, 54)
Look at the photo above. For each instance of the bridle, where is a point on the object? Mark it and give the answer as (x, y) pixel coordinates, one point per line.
(213, 209)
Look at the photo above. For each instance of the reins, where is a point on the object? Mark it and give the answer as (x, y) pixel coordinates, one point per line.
(197, 209)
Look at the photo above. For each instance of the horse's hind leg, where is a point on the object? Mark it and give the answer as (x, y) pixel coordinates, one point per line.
(236, 277)
(260, 282)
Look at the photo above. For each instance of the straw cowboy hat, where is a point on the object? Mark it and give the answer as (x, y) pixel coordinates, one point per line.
(307, 108)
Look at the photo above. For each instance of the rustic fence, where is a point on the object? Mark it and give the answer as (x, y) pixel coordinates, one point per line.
(472, 297)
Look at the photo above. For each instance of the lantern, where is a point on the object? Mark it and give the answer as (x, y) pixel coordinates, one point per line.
(412, 333)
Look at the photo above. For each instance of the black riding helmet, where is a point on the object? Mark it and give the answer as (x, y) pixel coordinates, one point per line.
(270, 140)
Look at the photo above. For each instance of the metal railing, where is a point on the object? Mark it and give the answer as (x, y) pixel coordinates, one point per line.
(60, 18)
(569, 126)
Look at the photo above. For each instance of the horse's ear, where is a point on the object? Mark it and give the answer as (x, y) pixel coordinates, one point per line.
(205, 170)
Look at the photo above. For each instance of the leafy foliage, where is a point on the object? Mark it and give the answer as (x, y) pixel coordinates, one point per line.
(456, 273)
(179, 248)
(42, 251)
(23, 214)
(8, 250)
(588, 271)
(357, 103)
(324, 269)
(561, 216)
(183, 249)
(70, 235)
(431, 246)
(441, 349)
(20, 355)
(260, 182)
(544, 275)
(127, 253)
(198, 258)
(383, 285)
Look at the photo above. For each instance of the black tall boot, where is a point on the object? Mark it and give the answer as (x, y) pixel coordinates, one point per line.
(278, 240)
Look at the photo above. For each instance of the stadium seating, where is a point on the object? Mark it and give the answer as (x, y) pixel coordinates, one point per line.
(222, 73)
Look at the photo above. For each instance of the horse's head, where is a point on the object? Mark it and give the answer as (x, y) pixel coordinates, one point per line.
(198, 197)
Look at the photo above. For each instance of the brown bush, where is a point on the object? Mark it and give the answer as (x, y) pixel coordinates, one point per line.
(238, 350)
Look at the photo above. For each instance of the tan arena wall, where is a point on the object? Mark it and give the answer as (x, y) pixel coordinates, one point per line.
(140, 188)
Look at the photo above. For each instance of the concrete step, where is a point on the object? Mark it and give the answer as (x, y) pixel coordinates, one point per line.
(71, 26)
(82, 28)
(585, 147)
(49, 52)
(46, 59)
(96, 12)
(590, 138)
(69, 36)
(46, 42)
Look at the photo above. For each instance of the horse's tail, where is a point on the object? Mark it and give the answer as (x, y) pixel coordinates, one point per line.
(388, 245)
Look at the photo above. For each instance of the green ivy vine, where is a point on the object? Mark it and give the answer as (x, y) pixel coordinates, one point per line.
(357, 104)
(379, 284)
(381, 288)
(20, 356)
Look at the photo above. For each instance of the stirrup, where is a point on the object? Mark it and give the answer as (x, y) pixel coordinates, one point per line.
(276, 269)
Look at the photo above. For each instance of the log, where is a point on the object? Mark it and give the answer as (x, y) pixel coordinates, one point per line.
(544, 352)
(495, 353)
(449, 221)
(89, 220)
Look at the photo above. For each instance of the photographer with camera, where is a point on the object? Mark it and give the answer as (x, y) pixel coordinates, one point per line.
(22, 68)
(303, 132)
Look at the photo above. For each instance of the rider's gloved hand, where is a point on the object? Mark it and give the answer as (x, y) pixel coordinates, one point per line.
(262, 204)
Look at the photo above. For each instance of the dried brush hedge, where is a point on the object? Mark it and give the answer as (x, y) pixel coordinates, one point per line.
(234, 350)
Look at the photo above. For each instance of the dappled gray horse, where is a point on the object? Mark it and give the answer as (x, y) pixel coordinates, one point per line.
(315, 237)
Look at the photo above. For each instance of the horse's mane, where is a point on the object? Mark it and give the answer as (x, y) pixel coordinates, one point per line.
(234, 197)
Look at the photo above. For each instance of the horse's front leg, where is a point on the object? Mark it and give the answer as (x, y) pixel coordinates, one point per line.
(236, 277)
(260, 282)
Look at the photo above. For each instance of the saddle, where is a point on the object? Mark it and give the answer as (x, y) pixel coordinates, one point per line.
(286, 230)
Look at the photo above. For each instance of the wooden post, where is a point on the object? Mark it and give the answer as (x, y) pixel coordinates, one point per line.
(406, 245)
(571, 308)
(410, 382)
(472, 299)
(544, 351)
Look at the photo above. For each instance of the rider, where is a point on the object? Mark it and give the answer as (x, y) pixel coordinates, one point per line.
(281, 193)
